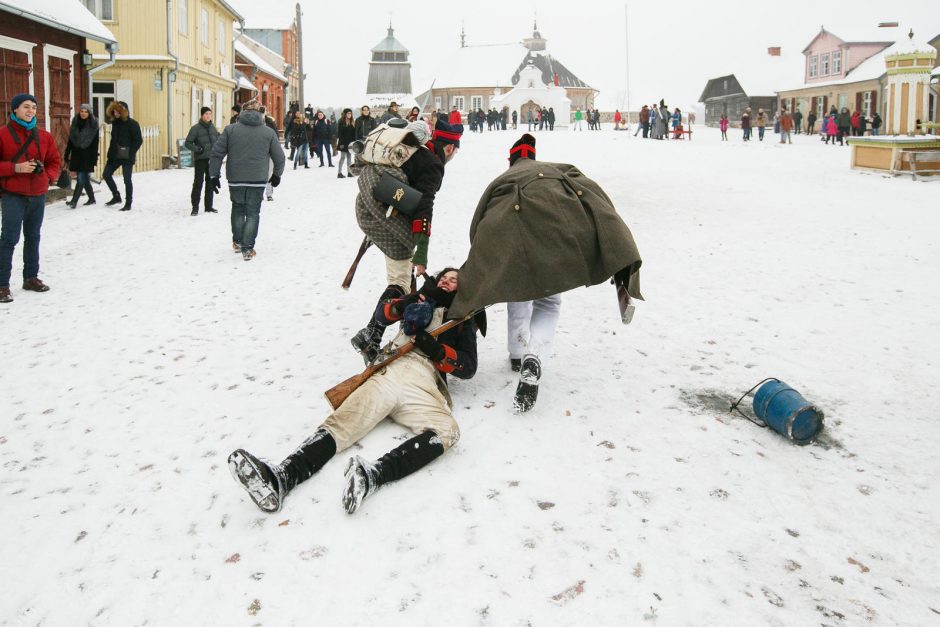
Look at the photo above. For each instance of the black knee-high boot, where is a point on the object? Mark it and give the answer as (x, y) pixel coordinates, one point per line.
(369, 339)
(268, 484)
(75, 196)
(363, 478)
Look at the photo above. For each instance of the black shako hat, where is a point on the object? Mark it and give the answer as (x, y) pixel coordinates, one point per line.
(524, 148)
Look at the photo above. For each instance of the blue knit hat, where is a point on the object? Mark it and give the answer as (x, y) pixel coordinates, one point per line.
(19, 99)
(445, 133)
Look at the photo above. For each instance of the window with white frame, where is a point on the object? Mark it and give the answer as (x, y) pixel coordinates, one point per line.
(476, 102)
(184, 16)
(102, 9)
(837, 62)
(220, 35)
(824, 64)
(458, 102)
(437, 103)
(866, 103)
(813, 64)
(204, 27)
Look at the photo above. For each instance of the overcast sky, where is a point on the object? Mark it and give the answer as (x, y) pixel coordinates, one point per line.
(674, 47)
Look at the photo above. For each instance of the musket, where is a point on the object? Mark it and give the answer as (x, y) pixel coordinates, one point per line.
(366, 242)
(338, 394)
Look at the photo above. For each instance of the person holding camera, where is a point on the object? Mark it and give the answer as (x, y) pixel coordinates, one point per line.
(202, 136)
(29, 162)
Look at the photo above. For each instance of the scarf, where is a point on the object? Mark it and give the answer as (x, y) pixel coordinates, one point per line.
(27, 125)
(83, 132)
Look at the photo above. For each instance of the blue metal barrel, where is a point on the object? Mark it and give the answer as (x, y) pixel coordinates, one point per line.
(787, 412)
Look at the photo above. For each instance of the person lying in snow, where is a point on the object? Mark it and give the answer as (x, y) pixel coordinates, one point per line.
(412, 391)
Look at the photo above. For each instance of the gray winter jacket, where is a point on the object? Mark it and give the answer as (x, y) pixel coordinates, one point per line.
(202, 137)
(249, 145)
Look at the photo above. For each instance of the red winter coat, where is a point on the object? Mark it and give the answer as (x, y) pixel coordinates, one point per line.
(27, 184)
(453, 117)
(617, 117)
(855, 120)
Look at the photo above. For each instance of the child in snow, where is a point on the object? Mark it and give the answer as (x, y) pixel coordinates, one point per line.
(723, 125)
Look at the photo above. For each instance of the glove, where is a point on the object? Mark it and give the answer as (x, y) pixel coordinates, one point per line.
(275, 180)
(199, 150)
(396, 308)
(216, 184)
(429, 345)
(416, 317)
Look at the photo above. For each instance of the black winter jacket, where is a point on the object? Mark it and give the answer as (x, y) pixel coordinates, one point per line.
(425, 172)
(345, 135)
(365, 124)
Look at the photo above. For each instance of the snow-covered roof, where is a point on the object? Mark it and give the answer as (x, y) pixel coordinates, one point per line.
(70, 16)
(244, 48)
(550, 68)
(389, 44)
(480, 66)
(244, 83)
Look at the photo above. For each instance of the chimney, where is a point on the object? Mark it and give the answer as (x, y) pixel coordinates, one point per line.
(774, 51)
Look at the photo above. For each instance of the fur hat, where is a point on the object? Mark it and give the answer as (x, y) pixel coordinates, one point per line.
(445, 133)
(524, 148)
(19, 99)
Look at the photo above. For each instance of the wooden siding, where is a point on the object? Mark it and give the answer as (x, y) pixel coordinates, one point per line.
(149, 157)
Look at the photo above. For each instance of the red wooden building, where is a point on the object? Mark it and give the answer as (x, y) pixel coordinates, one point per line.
(42, 43)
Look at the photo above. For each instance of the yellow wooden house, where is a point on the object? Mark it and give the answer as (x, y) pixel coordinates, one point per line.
(173, 58)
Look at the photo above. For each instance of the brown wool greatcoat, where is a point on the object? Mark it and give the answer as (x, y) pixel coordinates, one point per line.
(541, 229)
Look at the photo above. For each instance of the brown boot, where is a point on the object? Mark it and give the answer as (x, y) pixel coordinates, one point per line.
(5, 296)
(35, 285)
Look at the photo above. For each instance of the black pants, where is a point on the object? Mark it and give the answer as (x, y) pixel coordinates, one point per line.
(127, 169)
(200, 177)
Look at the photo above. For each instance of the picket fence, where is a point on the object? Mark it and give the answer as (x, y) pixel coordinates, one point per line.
(149, 157)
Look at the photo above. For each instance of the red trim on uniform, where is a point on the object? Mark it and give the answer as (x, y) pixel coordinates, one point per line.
(422, 225)
(389, 312)
(525, 149)
(446, 135)
(449, 363)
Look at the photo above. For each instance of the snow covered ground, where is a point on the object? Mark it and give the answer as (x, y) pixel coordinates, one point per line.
(628, 496)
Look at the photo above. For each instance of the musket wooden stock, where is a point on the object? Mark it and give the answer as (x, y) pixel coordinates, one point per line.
(338, 394)
(366, 242)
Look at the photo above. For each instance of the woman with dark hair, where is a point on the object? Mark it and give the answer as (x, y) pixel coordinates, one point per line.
(81, 153)
(321, 137)
(345, 135)
(414, 114)
(298, 139)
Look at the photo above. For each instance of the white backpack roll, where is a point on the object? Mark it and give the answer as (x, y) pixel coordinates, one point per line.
(389, 145)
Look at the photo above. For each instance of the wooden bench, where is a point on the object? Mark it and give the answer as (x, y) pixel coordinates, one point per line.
(912, 156)
(681, 133)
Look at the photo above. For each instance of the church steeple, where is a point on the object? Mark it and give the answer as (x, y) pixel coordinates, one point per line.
(535, 43)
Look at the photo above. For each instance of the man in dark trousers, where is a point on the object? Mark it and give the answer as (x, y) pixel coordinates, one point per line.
(248, 146)
(126, 140)
(29, 162)
(200, 140)
(403, 240)
(411, 390)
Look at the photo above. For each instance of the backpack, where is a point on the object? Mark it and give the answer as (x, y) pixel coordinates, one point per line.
(389, 145)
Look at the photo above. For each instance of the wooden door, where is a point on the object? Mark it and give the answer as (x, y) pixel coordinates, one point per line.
(60, 101)
(14, 76)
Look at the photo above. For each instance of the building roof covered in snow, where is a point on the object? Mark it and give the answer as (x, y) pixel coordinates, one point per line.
(550, 67)
(70, 16)
(390, 43)
(249, 50)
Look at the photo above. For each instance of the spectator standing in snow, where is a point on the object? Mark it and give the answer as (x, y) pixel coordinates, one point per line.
(761, 124)
(811, 123)
(723, 125)
(392, 112)
(235, 111)
(832, 129)
(454, 117)
(515, 119)
(414, 114)
(412, 391)
(551, 118)
(862, 125)
(29, 162)
(81, 153)
(249, 148)
(617, 118)
(845, 124)
(854, 122)
(746, 124)
(126, 140)
(298, 139)
(200, 140)
(645, 121)
(321, 138)
(345, 135)
(677, 124)
(876, 124)
(577, 119)
(365, 123)
(797, 121)
(786, 125)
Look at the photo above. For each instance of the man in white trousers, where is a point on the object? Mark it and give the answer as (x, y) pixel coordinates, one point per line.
(530, 336)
